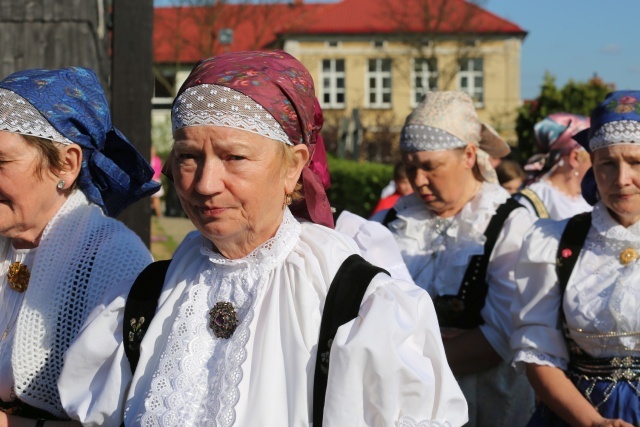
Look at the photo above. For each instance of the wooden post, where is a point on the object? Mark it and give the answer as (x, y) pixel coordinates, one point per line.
(132, 89)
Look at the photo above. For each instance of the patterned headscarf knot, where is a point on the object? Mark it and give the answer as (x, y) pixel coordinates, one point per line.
(75, 110)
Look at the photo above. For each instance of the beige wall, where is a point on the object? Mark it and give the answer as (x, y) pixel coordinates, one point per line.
(501, 77)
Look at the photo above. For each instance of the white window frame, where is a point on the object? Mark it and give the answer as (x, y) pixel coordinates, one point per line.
(379, 75)
(162, 102)
(477, 93)
(333, 90)
(425, 75)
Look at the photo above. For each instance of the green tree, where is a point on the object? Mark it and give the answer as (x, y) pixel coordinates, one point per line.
(574, 97)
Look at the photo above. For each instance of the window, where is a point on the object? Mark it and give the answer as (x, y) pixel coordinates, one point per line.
(471, 79)
(163, 90)
(379, 83)
(332, 43)
(333, 84)
(378, 44)
(424, 79)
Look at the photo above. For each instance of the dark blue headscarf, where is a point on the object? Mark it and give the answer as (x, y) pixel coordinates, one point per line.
(618, 106)
(114, 174)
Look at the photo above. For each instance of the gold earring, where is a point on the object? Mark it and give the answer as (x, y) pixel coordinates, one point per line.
(287, 200)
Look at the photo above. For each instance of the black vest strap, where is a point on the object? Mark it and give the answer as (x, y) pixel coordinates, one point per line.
(463, 310)
(391, 215)
(571, 242)
(341, 306)
(140, 308)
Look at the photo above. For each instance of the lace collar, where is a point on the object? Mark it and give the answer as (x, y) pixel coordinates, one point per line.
(609, 228)
(463, 233)
(267, 255)
(470, 223)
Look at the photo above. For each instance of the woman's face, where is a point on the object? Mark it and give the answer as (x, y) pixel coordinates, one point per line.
(232, 184)
(442, 179)
(617, 172)
(28, 201)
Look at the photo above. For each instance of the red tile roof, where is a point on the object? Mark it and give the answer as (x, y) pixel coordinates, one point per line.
(187, 34)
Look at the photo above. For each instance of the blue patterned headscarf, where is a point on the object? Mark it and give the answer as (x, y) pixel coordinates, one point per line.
(113, 174)
(615, 121)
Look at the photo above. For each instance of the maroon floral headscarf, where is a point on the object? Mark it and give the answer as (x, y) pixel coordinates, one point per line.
(282, 86)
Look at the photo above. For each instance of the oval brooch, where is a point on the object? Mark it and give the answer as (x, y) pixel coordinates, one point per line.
(223, 319)
(18, 277)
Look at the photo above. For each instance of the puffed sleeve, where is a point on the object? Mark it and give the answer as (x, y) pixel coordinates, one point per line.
(498, 325)
(388, 366)
(538, 336)
(376, 243)
(96, 373)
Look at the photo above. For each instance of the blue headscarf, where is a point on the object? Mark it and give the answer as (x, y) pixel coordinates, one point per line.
(620, 106)
(113, 174)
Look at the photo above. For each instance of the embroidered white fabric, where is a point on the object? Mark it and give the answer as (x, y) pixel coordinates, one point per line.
(196, 382)
(539, 358)
(17, 115)
(427, 138)
(216, 105)
(428, 242)
(615, 133)
(410, 422)
(600, 302)
(82, 255)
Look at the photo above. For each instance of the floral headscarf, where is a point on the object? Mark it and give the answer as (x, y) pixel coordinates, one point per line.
(113, 173)
(283, 87)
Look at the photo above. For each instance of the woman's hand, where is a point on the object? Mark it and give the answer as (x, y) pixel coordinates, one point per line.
(562, 397)
(611, 423)
(14, 421)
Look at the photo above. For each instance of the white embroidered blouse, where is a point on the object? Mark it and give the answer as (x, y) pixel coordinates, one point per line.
(388, 366)
(601, 300)
(437, 252)
(559, 205)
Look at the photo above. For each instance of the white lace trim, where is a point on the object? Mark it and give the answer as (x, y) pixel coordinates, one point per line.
(221, 106)
(198, 375)
(610, 229)
(462, 235)
(17, 115)
(615, 133)
(427, 138)
(410, 422)
(539, 358)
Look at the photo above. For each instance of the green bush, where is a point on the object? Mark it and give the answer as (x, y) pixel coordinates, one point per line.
(356, 186)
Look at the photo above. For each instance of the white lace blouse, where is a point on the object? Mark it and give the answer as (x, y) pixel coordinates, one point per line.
(437, 252)
(559, 205)
(388, 366)
(601, 300)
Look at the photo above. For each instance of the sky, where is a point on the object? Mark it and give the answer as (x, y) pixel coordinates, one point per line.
(572, 39)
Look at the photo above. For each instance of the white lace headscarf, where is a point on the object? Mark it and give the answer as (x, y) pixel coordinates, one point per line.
(448, 120)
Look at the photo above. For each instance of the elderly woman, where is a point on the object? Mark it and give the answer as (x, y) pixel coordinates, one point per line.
(64, 170)
(577, 317)
(556, 192)
(460, 236)
(235, 336)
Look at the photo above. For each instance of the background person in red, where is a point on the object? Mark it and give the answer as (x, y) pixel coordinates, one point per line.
(403, 187)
